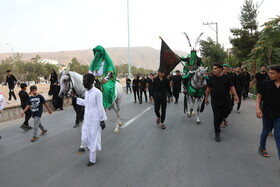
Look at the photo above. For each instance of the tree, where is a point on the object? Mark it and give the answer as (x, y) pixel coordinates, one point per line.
(267, 48)
(246, 37)
(212, 52)
(75, 66)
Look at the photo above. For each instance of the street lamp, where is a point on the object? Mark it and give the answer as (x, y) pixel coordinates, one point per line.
(128, 40)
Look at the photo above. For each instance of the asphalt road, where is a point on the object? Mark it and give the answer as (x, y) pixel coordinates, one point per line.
(142, 154)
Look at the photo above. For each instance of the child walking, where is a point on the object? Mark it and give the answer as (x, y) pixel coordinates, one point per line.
(35, 103)
(24, 98)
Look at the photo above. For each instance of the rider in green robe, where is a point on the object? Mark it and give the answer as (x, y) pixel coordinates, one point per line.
(192, 62)
(103, 69)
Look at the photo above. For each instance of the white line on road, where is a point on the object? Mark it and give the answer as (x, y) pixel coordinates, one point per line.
(135, 118)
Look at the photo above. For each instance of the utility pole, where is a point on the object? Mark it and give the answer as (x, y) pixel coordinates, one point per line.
(128, 40)
(212, 23)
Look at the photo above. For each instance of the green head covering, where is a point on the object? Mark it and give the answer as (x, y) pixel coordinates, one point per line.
(193, 57)
(101, 55)
(225, 65)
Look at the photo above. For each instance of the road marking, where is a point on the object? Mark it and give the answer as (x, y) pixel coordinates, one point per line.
(135, 118)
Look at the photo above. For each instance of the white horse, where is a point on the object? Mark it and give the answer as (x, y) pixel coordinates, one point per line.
(70, 81)
(195, 90)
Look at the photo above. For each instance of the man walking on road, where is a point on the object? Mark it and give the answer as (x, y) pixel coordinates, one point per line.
(176, 85)
(259, 77)
(94, 114)
(267, 108)
(220, 86)
(247, 80)
(238, 83)
(135, 88)
(12, 81)
(128, 85)
(143, 89)
(161, 87)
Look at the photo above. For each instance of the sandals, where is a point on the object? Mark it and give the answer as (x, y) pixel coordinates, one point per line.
(264, 153)
(158, 120)
(162, 126)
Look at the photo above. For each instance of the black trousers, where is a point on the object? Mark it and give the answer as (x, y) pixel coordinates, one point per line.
(246, 90)
(136, 92)
(176, 92)
(28, 115)
(239, 94)
(160, 102)
(80, 111)
(141, 94)
(12, 93)
(220, 112)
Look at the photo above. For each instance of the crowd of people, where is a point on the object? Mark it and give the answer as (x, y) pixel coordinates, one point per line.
(225, 85)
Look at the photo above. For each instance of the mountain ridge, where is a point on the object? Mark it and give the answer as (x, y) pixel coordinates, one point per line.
(145, 57)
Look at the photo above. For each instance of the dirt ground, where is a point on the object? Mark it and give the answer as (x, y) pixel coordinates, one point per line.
(42, 89)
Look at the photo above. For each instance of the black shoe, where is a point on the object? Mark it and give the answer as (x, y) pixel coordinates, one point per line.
(76, 125)
(217, 137)
(29, 127)
(90, 164)
(140, 102)
(24, 127)
(82, 149)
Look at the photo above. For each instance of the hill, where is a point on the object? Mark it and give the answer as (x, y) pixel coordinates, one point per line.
(145, 57)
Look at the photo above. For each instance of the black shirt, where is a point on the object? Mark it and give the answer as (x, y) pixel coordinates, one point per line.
(143, 83)
(220, 89)
(270, 99)
(161, 87)
(238, 81)
(128, 81)
(247, 78)
(36, 105)
(260, 78)
(135, 83)
(150, 83)
(177, 80)
(11, 80)
(24, 98)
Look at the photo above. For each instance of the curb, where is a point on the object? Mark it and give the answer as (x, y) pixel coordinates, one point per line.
(252, 96)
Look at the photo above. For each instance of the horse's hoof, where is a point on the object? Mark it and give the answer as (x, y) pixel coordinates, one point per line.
(116, 131)
(189, 115)
(198, 122)
(120, 123)
(81, 149)
(193, 113)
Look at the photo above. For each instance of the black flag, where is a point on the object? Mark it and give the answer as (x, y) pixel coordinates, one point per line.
(168, 59)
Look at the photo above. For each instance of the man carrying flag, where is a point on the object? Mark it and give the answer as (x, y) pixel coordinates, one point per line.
(103, 69)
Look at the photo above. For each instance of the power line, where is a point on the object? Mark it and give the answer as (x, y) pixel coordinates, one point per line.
(212, 23)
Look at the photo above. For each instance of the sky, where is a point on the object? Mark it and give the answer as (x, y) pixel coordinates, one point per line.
(62, 25)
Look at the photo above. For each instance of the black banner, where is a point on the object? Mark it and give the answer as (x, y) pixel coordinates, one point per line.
(168, 59)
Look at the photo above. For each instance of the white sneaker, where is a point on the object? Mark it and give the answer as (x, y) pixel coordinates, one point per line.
(9, 102)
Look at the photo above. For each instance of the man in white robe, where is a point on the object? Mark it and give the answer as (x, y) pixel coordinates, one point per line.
(94, 114)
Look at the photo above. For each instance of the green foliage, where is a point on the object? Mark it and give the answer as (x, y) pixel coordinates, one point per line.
(76, 66)
(267, 48)
(212, 52)
(26, 70)
(122, 70)
(246, 37)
